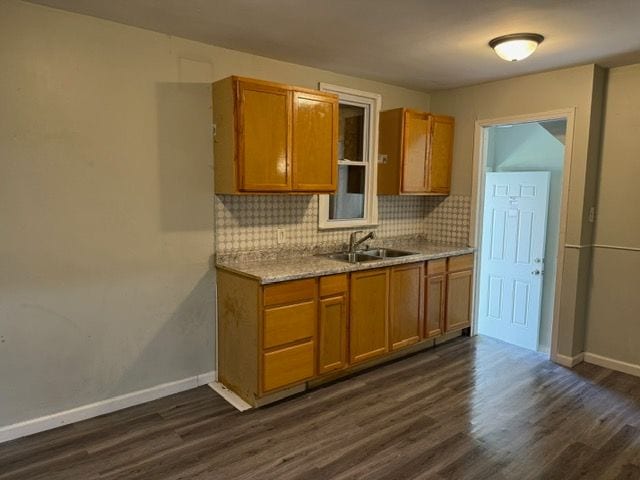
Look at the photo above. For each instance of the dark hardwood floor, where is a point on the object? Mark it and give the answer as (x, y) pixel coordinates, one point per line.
(473, 408)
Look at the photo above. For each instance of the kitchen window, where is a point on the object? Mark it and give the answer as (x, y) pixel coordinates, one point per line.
(355, 202)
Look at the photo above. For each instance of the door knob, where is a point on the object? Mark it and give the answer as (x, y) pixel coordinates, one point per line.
(537, 272)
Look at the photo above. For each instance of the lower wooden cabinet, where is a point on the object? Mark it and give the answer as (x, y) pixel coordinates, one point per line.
(459, 291)
(369, 314)
(435, 294)
(448, 292)
(274, 338)
(405, 304)
(289, 321)
(333, 315)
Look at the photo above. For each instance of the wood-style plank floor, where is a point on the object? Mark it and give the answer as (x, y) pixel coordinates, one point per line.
(474, 408)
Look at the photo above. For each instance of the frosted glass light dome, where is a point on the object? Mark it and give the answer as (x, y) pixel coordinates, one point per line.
(516, 46)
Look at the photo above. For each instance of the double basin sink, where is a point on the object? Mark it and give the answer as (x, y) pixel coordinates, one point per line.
(369, 255)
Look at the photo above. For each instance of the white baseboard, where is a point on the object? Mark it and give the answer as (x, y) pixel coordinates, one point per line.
(568, 362)
(22, 429)
(624, 367)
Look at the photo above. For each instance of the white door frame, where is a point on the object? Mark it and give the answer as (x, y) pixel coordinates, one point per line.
(477, 202)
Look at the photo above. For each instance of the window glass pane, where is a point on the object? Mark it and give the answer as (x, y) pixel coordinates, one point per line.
(351, 133)
(348, 202)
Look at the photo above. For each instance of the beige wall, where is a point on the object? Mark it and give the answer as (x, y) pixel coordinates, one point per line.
(613, 327)
(578, 88)
(106, 207)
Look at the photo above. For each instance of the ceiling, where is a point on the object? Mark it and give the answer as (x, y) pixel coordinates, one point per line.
(421, 44)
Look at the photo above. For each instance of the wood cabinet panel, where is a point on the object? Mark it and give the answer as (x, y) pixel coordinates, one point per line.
(439, 265)
(332, 333)
(289, 292)
(369, 314)
(334, 284)
(414, 158)
(289, 323)
(288, 366)
(440, 153)
(406, 304)
(390, 143)
(264, 137)
(459, 291)
(417, 147)
(461, 262)
(315, 142)
(434, 304)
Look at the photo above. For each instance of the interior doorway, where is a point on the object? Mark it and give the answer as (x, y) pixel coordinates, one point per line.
(519, 210)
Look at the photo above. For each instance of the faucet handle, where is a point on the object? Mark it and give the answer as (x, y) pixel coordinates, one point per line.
(353, 235)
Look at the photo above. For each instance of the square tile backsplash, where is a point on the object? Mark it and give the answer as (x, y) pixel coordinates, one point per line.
(250, 223)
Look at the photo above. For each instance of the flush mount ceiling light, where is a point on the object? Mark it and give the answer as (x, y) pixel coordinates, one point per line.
(516, 46)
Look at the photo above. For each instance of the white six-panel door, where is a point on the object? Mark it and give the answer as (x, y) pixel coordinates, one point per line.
(512, 256)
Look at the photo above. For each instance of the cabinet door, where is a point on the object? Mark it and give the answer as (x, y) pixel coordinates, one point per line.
(406, 304)
(332, 348)
(415, 150)
(263, 137)
(369, 314)
(458, 312)
(434, 306)
(315, 142)
(440, 153)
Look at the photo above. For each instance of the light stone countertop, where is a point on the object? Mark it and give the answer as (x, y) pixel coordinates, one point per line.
(300, 265)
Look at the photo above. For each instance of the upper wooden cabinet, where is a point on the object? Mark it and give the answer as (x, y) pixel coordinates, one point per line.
(418, 148)
(273, 138)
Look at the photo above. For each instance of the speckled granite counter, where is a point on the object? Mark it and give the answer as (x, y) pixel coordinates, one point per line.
(300, 265)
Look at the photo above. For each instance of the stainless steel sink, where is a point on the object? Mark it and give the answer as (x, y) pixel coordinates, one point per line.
(386, 253)
(352, 257)
(369, 255)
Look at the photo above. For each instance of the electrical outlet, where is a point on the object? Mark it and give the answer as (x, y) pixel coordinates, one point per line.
(592, 214)
(281, 236)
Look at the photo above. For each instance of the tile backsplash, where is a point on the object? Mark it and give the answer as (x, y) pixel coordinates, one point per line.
(250, 223)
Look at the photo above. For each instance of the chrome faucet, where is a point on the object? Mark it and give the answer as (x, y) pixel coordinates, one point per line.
(354, 242)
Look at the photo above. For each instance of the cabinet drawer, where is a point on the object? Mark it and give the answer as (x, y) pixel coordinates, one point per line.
(437, 266)
(461, 262)
(333, 285)
(289, 292)
(289, 323)
(287, 366)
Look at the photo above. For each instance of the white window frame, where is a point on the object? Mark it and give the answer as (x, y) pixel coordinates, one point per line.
(373, 102)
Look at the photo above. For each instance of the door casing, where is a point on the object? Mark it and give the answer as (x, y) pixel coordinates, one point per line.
(480, 145)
